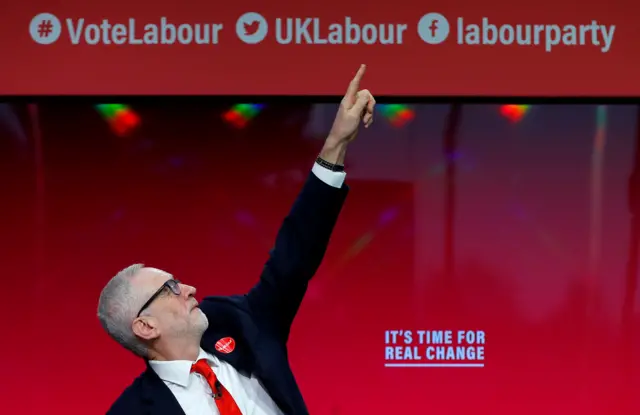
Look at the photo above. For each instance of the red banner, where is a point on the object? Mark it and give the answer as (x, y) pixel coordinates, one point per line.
(439, 48)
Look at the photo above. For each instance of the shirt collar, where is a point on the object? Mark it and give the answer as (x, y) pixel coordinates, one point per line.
(178, 371)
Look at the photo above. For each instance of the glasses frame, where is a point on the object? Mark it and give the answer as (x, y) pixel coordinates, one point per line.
(171, 284)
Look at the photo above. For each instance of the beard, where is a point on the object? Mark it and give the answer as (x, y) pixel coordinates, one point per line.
(201, 323)
(191, 326)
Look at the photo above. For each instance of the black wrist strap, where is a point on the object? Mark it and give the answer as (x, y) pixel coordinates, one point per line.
(333, 167)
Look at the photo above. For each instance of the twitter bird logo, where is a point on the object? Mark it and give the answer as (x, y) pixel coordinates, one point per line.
(251, 28)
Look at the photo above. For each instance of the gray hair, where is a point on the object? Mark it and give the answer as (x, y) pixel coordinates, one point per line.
(116, 310)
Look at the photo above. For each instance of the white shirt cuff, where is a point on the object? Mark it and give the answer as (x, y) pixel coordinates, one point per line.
(332, 178)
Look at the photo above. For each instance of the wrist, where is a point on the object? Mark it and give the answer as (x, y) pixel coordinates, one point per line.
(338, 168)
(334, 152)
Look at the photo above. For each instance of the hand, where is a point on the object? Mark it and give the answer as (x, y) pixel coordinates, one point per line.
(357, 105)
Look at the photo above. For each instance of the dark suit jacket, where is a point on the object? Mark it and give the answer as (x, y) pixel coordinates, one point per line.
(259, 321)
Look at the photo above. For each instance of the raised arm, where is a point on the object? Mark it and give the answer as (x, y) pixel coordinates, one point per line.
(305, 232)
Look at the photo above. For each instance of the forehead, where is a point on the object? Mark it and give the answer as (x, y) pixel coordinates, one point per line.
(152, 277)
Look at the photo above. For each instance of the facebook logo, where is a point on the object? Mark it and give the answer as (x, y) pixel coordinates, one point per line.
(433, 28)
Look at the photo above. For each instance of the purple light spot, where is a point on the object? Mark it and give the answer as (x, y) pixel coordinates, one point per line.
(453, 156)
(245, 218)
(176, 162)
(117, 215)
(519, 212)
(388, 216)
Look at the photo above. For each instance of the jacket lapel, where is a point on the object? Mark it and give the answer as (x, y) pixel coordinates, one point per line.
(250, 355)
(276, 392)
(157, 397)
(243, 359)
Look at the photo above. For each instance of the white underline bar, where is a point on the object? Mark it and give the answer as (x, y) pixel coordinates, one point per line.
(434, 365)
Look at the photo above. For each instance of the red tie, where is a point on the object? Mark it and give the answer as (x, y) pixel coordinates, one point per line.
(223, 399)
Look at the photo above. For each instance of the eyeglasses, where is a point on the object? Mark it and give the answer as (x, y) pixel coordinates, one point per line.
(171, 284)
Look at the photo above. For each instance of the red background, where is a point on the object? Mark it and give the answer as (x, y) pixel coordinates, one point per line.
(234, 68)
(202, 200)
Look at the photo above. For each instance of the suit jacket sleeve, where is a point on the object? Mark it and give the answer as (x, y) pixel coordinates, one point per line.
(299, 248)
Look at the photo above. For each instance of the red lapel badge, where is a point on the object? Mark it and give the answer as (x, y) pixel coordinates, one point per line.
(225, 345)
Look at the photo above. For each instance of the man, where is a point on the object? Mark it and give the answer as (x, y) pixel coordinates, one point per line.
(228, 355)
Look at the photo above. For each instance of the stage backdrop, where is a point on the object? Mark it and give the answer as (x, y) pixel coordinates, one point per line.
(284, 47)
(540, 242)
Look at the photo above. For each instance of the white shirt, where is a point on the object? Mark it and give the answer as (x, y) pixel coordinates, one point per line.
(332, 178)
(192, 391)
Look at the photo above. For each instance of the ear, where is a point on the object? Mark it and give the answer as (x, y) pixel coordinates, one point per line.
(146, 328)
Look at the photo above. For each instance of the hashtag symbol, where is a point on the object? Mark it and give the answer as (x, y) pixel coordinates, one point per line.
(45, 28)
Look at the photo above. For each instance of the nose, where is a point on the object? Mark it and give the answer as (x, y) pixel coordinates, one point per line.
(187, 291)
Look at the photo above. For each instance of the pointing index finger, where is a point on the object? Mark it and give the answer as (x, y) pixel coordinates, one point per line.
(354, 85)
